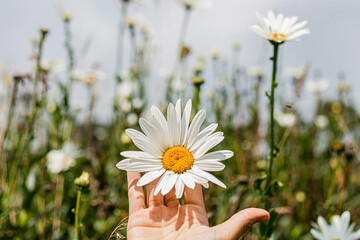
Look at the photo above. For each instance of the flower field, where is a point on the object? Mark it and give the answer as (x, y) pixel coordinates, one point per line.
(234, 131)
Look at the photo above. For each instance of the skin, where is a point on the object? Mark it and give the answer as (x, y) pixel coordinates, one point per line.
(165, 218)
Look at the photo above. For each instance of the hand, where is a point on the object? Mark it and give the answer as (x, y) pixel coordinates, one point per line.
(165, 218)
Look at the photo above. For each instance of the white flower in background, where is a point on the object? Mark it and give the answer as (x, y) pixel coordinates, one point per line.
(344, 87)
(55, 66)
(199, 4)
(125, 105)
(321, 121)
(278, 28)
(62, 159)
(174, 151)
(339, 229)
(135, 20)
(137, 103)
(31, 179)
(256, 71)
(317, 86)
(297, 72)
(88, 77)
(125, 89)
(132, 118)
(177, 85)
(285, 119)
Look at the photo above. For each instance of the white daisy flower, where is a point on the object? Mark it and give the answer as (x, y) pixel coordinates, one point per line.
(340, 228)
(285, 119)
(256, 71)
(88, 77)
(199, 4)
(278, 28)
(62, 159)
(175, 151)
(317, 86)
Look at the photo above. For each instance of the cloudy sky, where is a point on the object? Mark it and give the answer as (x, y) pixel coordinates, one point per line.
(333, 46)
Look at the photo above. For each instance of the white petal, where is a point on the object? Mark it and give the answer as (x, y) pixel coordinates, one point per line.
(138, 155)
(196, 177)
(212, 141)
(195, 127)
(161, 182)
(147, 146)
(210, 177)
(187, 180)
(316, 234)
(179, 188)
(170, 182)
(152, 132)
(172, 124)
(160, 119)
(149, 177)
(142, 167)
(217, 156)
(205, 185)
(122, 164)
(202, 136)
(185, 122)
(210, 165)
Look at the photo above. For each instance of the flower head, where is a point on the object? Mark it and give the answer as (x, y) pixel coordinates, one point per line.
(340, 228)
(317, 86)
(62, 159)
(175, 150)
(88, 77)
(200, 4)
(278, 28)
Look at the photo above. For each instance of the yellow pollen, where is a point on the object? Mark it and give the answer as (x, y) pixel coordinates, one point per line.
(282, 35)
(178, 159)
(275, 36)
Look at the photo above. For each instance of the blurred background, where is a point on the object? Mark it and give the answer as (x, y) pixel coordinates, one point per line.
(76, 74)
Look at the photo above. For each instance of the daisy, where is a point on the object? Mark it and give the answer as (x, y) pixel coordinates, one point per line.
(317, 87)
(199, 4)
(88, 77)
(340, 228)
(175, 150)
(278, 28)
(62, 159)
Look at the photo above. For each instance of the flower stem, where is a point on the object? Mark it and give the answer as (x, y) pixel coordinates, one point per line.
(197, 97)
(272, 103)
(76, 235)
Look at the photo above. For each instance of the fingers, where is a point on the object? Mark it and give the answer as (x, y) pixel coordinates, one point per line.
(136, 194)
(151, 199)
(171, 199)
(194, 196)
(240, 223)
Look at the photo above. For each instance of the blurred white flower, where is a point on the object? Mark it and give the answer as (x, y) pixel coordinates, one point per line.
(340, 228)
(278, 28)
(55, 66)
(88, 77)
(321, 121)
(297, 72)
(137, 103)
(125, 89)
(285, 119)
(344, 87)
(132, 119)
(199, 4)
(177, 85)
(125, 105)
(135, 20)
(256, 71)
(317, 86)
(62, 159)
(31, 179)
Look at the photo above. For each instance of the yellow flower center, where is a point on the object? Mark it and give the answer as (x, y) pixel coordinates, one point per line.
(178, 159)
(65, 160)
(276, 37)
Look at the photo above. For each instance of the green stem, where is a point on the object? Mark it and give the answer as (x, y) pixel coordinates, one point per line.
(76, 235)
(272, 103)
(333, 182)
(197, 97)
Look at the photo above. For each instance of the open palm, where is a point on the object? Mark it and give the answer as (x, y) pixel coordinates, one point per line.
(165, 218)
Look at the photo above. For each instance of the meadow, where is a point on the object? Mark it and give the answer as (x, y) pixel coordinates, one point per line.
(58, 170)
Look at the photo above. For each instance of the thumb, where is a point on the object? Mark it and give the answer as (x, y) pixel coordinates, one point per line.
(240, 223)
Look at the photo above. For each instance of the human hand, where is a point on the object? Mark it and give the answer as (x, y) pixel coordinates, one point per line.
(165, 218)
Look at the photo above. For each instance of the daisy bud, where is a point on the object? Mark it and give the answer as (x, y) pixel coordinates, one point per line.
(83, 180)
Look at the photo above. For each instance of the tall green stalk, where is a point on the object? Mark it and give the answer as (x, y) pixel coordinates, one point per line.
(77, 227)
(272, 103)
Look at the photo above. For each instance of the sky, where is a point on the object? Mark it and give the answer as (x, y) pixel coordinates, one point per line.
(332, 46)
